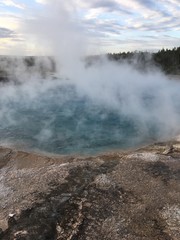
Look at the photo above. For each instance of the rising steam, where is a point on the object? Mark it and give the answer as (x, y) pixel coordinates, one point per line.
(84, 109)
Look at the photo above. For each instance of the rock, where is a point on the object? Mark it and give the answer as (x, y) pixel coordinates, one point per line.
(11, 215)
(11, 220)
(168, 150)
(1, 232)
(131, 195)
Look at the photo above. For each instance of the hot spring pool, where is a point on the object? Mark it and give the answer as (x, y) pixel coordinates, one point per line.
(57, 118)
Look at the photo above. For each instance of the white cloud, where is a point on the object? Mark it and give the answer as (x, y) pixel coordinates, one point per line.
(108, 21)
(42, 1)
(13, 3)
(8, 21)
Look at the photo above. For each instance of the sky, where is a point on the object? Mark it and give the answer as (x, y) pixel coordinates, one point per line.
(109, 25)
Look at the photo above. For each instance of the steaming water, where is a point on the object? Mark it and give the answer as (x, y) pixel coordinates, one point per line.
(60, 121)
(103, 107)
(53, 116)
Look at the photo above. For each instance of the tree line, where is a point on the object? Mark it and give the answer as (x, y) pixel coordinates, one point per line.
(166, 59)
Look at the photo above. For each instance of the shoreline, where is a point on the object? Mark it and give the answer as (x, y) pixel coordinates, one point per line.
(136, 193)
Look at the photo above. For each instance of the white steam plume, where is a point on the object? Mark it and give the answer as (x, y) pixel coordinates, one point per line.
(59, 32)
(149, 99)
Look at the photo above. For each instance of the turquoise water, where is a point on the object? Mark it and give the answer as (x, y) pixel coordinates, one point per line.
(60, 120)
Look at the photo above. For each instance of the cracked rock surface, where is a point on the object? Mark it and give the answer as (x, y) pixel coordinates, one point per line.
(132, 195)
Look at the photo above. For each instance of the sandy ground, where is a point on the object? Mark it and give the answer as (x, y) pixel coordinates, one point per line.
(118, 195)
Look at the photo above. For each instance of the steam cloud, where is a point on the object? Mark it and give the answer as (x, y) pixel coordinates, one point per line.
(107, 105)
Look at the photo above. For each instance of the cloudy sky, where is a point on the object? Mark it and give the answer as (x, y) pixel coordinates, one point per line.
(110, 25)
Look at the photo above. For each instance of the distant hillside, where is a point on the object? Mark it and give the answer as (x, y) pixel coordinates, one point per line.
(19, 68)
(169, 60)
(166, 59)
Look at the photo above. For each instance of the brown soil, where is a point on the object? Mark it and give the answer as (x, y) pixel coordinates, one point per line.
(124, 195)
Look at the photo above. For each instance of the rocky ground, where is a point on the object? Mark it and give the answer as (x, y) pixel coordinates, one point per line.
(131, 195)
